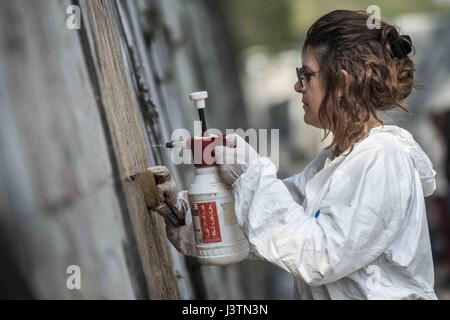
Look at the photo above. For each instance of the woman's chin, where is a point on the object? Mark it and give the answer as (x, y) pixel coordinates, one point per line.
(308, 121)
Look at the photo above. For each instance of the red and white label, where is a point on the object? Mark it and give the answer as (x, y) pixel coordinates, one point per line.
(209, 221)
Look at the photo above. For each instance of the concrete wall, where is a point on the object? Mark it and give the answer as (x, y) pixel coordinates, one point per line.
(80, 111)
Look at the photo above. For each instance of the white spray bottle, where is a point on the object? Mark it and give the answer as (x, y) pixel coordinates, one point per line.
(219, 239)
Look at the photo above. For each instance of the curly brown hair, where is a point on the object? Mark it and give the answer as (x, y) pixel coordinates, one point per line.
(377, 79)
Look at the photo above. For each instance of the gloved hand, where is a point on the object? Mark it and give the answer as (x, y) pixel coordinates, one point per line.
(167, 192)
(183, 237)
(234, 158)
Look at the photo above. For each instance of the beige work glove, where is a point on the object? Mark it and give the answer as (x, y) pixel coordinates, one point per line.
(234, 158)
(182, 238)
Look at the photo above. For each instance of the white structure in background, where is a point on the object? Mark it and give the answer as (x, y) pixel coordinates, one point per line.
(268, 81)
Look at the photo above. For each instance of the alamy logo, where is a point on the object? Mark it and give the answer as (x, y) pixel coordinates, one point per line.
(74, 280)
(374, 280)
(257, 138)
(74, 20)
(373, 22)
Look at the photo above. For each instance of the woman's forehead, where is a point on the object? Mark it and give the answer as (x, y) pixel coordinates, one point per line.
(309, 59)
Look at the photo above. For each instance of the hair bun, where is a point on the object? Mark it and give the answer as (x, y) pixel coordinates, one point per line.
(401, 46)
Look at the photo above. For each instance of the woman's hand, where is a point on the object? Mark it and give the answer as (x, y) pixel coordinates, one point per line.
(234, 158)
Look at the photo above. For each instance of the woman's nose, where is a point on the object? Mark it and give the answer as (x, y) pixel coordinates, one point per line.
(298, 87)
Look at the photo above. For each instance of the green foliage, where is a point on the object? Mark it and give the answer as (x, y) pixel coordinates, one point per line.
(281, 23)
(259, 22)
(305, 12)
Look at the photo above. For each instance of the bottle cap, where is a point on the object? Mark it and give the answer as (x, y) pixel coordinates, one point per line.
(199, 98)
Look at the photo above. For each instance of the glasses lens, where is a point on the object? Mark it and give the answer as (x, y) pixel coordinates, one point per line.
(300, 75)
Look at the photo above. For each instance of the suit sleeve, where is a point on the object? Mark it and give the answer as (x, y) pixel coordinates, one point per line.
(360, 215)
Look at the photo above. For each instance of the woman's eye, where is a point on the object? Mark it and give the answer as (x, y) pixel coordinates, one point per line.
(307, 76)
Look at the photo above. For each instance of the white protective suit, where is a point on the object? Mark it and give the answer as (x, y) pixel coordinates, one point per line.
(370, 239)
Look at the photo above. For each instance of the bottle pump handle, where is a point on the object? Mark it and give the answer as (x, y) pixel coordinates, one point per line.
(199, 98)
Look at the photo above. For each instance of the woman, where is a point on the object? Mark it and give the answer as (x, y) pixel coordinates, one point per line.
(352, 224)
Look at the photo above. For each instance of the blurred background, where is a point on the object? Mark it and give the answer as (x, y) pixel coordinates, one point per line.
(268, 38)
(88, 88)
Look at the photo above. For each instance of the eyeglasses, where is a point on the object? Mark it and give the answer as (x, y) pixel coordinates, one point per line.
(302, 74)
